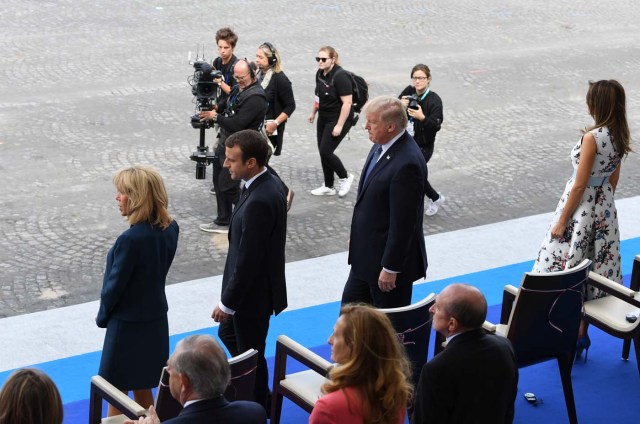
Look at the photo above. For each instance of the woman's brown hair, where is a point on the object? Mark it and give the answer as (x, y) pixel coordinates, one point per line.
(148, 200)
(377, 367)
(607, 105)
(29, 396)
(333, 54)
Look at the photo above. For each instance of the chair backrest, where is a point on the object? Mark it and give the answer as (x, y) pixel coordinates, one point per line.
(546, 314)
(635, 275)
(166, 405)
(412, 324)
(243, 376)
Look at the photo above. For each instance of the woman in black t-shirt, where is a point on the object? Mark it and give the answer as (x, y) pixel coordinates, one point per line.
(333, 102)
(425, 118)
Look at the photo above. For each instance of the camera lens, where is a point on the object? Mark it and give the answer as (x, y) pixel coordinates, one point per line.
(201, 171)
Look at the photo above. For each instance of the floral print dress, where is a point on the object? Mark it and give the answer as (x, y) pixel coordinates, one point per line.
(592, 232)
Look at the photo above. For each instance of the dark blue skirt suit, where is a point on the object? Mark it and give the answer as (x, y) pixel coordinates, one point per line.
(133, 306)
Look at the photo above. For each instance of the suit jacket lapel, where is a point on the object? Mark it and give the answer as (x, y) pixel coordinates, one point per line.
(247, 193)
(384, 160)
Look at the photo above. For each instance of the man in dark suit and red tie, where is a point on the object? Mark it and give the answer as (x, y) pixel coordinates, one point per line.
(253, 283)
(386, 248)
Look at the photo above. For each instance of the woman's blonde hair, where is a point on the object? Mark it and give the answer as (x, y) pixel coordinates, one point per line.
(270, 51)
(148, 200)
(29, 396)
(377, 367)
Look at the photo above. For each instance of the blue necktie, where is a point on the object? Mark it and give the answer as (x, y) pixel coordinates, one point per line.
(373, 162)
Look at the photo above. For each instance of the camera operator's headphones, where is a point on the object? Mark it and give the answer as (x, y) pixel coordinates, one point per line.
(273, 59)
(252, 71)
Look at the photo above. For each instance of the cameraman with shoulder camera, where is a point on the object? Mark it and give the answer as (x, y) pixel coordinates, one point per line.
(424, 108)
(244, 109)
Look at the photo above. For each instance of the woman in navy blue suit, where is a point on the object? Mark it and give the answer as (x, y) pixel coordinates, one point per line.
(133, 305)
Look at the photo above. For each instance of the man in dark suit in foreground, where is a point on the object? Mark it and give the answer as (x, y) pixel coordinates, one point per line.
(198, 376)
(475, 379)
(386, 248)
(253, 283)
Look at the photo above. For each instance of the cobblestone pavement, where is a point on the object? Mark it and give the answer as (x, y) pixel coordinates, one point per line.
(89, 87)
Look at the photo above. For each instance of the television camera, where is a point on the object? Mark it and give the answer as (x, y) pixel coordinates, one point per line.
(206, 92)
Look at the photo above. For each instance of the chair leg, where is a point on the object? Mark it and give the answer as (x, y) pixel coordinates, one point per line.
(626, 347)
(565, 364)
(636, 347)
(95, 407)
(276, 407)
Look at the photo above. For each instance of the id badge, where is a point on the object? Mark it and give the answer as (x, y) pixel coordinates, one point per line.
(316, 101)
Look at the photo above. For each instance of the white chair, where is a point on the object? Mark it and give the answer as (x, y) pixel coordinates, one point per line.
(543, 320)
(243, 374)
(609, 313)
(412, 324)
(302, 388)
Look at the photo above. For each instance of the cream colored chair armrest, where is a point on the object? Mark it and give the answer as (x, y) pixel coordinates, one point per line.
(488, 326)
(124, 401)
(612, 285)
(511, 289)
(309, 357)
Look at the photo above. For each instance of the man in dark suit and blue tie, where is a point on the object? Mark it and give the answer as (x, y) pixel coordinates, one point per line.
(198, 377)
(253, 283)
(386, 248)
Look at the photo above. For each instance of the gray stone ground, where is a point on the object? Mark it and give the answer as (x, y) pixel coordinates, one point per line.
(88, 87)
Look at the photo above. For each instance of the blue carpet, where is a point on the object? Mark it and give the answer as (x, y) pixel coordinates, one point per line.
(603, 380)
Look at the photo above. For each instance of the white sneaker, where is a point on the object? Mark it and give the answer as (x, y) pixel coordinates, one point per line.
(432, 207)
(324, 191)
(345, 185)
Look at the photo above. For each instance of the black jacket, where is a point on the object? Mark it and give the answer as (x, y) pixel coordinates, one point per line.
(474, 380)
(280, 97)
(425, 131)
(243, 110)
(219, 410)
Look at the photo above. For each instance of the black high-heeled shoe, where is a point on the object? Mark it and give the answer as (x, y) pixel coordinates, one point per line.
(583, 344)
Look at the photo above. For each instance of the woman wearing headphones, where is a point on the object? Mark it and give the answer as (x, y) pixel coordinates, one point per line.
(281, 102)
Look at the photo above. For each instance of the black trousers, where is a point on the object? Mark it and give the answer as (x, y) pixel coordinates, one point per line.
(244, 331)
(357, 290)
(429, 191)
(327, 145)
(227, 190)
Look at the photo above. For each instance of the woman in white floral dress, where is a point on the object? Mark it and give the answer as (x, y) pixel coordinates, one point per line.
(585, 224)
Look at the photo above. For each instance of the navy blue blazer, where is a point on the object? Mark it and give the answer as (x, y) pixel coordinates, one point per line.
(136, 272)
(386, 228)
(219, 410)
(474, 380)
(254, 279)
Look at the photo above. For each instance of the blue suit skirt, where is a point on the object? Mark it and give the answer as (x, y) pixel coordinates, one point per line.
(134, 353)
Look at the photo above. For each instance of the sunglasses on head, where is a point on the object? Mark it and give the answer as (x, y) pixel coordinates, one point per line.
(322, 59)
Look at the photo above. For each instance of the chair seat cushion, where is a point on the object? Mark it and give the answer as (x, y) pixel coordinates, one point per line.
(612, 312)
(306, 384)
